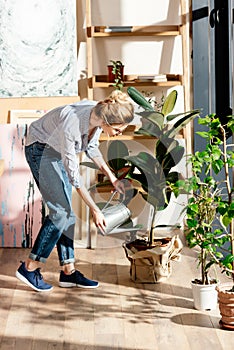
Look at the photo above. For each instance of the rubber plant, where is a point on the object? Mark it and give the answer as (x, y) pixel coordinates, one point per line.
(155, 172)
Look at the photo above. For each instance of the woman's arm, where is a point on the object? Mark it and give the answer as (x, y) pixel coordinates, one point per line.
(98, 217)
(118, 185)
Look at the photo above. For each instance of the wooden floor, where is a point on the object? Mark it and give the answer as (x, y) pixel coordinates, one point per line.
(117, 315)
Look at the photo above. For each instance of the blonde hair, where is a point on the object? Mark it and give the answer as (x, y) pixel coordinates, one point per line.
(115, 109)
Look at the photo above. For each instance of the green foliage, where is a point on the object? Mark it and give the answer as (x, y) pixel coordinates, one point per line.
(117, 67)
(210, 209)
(139, 98)
(152, 174)
(122, 168)
(169, 103)
(156, 171)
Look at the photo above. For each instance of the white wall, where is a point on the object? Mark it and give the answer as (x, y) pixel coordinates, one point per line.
(147, 56)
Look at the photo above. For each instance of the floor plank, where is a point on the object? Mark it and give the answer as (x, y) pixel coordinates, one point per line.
(120, 314)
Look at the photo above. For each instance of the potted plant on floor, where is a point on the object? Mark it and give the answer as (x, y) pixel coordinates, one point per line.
(155, 173)
(116, 74)
(210, 212)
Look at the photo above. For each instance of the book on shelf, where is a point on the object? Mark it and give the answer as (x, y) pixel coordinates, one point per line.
(152, 78)
(118, 29)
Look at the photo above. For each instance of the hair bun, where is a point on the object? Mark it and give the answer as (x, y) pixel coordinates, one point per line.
(118, 96)
(115, 109)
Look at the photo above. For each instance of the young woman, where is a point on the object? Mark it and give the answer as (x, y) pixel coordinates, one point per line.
(52, 145)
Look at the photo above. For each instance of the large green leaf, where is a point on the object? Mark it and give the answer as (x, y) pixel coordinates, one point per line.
(148, 128)
(139, 98)
(174, 116)
(172, 177)
(163, 145)
(180, 124)
(140, 178)
(144, 161)
(117, 151)
(169, 103)
(172, 158)
(155, 117)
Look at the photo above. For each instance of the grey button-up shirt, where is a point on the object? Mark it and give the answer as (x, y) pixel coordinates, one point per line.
(66, 130)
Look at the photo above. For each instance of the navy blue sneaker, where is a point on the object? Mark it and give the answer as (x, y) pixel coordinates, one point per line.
(33, 279)
(76, 279)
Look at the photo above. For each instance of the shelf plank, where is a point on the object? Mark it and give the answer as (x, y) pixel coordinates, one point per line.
(129, 134)
(99, 32)
(126, 137)
(101, 81)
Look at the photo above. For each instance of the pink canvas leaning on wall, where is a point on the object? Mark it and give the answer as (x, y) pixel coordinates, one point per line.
(21, 207)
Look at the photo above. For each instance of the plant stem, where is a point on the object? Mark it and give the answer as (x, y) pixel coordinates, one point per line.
(229, 191)
(203, 266)
(151, 235)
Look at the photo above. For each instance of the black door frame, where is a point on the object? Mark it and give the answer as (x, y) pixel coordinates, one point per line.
(212, 24)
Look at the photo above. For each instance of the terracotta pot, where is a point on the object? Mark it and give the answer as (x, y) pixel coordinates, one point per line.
(226, 305)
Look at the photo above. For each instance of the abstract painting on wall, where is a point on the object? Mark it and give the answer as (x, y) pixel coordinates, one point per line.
(21, 210)
(38, 48)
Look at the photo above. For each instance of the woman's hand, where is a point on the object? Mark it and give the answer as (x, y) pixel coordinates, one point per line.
(119, 186)
(99, 220)
(98, 217)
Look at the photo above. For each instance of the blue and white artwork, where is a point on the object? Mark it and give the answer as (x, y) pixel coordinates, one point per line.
(38, 51)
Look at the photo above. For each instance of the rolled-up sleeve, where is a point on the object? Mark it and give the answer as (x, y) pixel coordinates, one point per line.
(67, 137)
(92, 150)
(74, 139)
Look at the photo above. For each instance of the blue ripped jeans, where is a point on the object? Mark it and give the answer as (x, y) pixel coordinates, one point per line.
(58, 227)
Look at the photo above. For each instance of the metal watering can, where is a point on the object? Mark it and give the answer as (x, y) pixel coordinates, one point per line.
(115, 215)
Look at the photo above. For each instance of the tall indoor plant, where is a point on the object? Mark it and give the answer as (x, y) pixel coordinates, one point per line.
(156, 171)
(210, 210)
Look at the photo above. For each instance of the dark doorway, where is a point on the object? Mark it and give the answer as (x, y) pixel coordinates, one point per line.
(213, 57)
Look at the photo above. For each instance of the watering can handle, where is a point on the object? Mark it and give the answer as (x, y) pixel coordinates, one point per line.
(110, 199)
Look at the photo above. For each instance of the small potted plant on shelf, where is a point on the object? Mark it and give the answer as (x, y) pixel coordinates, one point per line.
(116, 74)
(210, 213)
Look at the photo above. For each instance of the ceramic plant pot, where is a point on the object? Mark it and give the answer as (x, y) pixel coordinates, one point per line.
(205, 296)
(112, 76)
(226, 305)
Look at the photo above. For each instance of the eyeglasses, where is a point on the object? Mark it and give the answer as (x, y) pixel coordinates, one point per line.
(118, 131)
